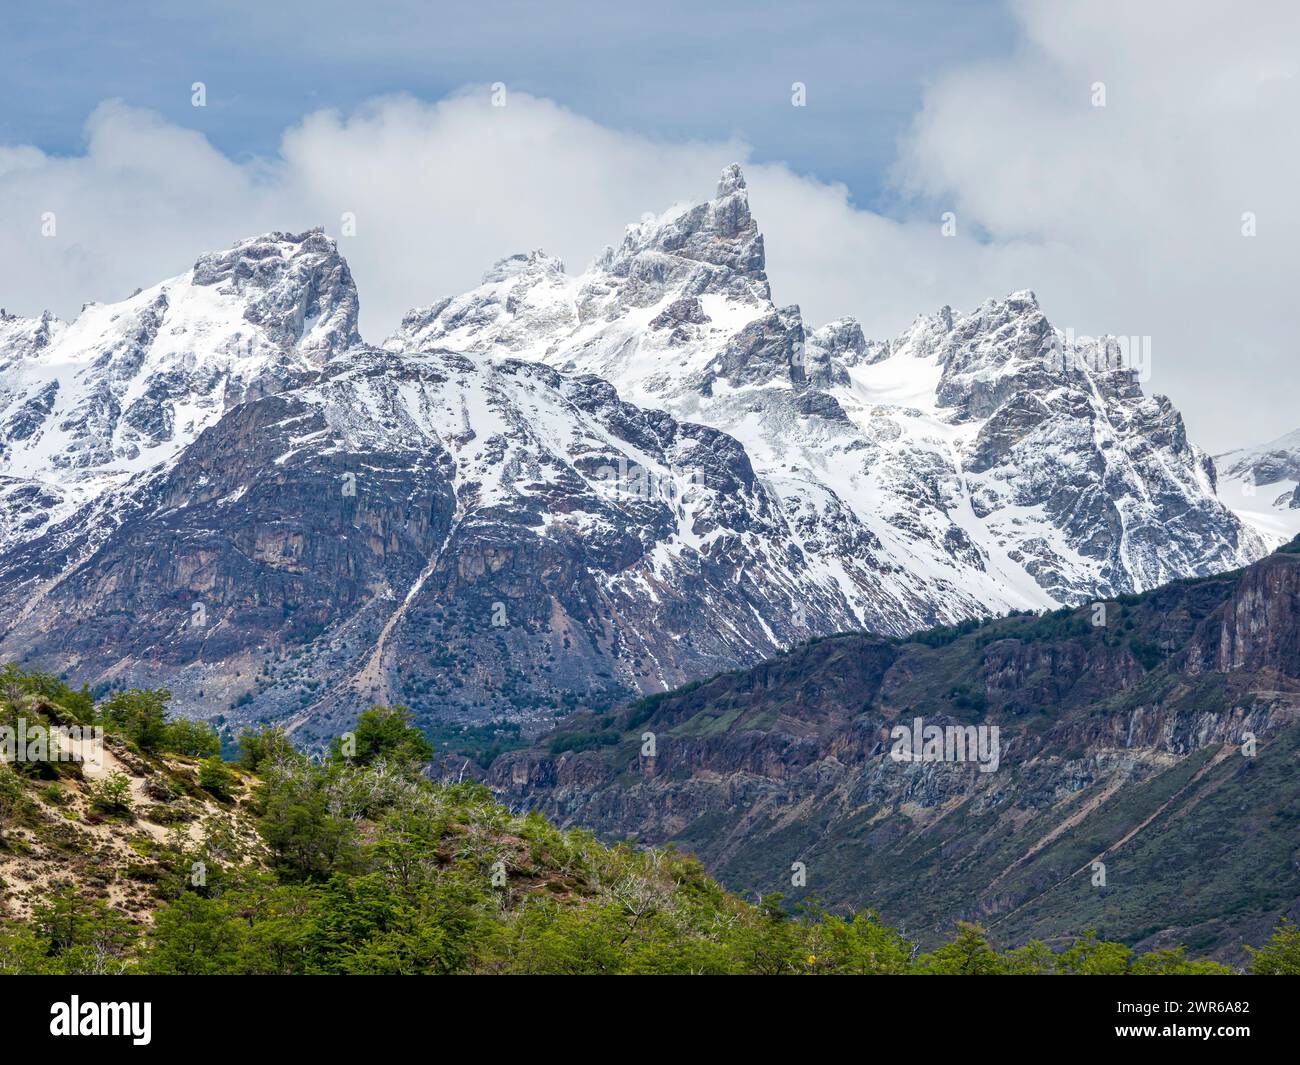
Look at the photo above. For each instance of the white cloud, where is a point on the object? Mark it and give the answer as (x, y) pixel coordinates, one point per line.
(440, 191)
(1129, 216)
(1124, 219)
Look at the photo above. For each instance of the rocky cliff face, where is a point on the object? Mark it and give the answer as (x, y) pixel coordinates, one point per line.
(1160, 741)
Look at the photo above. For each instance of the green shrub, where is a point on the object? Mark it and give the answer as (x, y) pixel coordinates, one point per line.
(195, 738)
(215, 776)
(583, 741)
(12, 796)
(261, 749)
(112, 795)
(384, 732)
(140, 715)
(1280, 956)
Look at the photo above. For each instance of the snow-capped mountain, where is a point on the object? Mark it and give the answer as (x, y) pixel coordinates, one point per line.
(977, 463)
(449, 531)
(1262, 486)
(553, 491)
(223, 472)
(85, 405)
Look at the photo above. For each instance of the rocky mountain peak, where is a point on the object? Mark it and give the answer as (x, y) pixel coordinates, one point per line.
(1262, 484)
(528, 265)
(86, 405)
(1023, 301)
(297, 287)
(713, 246)
(840, 339)
(947, 444)
(22, 337)
(732, 180)
(1266, 464)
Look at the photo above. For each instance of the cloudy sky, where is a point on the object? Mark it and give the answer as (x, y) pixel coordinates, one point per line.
(1124, 218)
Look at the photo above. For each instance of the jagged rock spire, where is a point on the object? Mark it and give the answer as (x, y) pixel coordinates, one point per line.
(731, 181)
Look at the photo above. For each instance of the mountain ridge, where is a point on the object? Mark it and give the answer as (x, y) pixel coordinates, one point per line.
(1016, 466)
(1161, 743)
(554, 492)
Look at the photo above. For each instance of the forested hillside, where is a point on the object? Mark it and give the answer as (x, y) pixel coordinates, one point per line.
(164, 859)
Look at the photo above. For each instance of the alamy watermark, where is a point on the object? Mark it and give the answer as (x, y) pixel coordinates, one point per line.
(1099, 354)
(41, 743)
(919, 742)
(77, 1018)
(674, 484)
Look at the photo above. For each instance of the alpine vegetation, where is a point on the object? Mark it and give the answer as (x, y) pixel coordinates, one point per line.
(358, 863)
